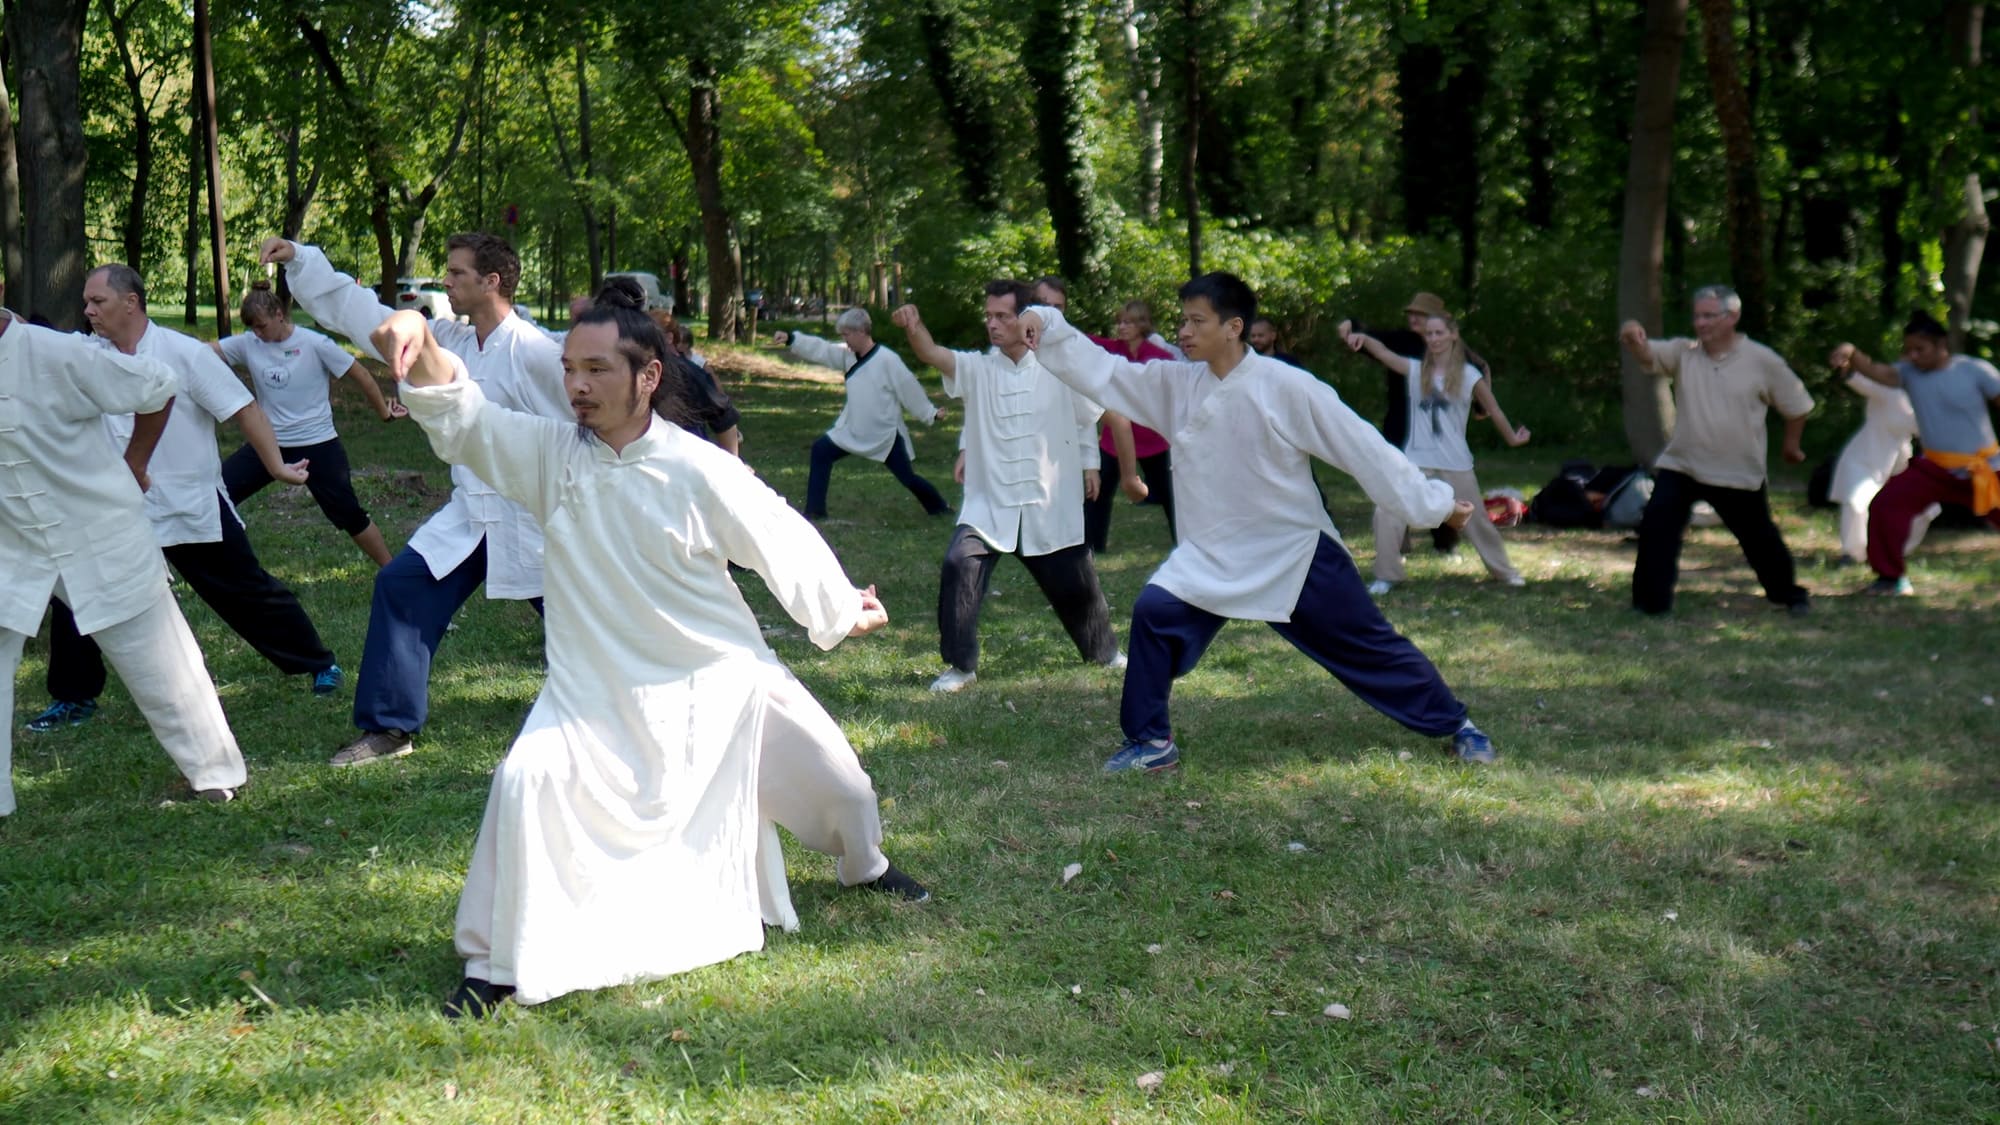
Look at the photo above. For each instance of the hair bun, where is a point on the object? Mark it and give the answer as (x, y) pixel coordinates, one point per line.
(622, 293)
(261, 285)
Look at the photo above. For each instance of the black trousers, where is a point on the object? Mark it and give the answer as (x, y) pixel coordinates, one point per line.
(1747, 515)
(330, 481)
(226, 575)
(1066, 577)
(1157, 471)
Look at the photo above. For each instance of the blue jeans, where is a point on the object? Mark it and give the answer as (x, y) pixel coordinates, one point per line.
(1335, 622)
(825, 453)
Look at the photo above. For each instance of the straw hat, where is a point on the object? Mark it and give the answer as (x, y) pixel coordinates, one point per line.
(1429, 304)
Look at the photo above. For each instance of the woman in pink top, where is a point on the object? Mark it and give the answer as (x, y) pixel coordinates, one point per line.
(1144, 463)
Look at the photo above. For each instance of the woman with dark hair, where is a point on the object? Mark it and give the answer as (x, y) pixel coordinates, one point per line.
(630, 833)
(291, 370)
(709, 413)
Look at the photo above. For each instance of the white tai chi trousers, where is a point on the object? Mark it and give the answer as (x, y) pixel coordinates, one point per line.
(1479, 530)
(162, 667)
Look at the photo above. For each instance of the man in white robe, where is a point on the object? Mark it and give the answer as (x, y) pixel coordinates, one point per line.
(1255, 543)
(1031, 460)
(73, 525)
(479, 537)
(879, 389)
(629, 834)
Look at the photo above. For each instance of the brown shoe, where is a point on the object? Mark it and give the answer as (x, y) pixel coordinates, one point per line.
(373, 746)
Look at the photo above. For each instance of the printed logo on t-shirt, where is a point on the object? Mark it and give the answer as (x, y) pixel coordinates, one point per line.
(277, 376)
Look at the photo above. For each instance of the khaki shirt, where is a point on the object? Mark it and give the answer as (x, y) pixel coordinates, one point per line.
(1719, 406)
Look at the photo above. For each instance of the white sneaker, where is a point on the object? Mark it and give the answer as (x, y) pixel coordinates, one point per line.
(953, 680)
(1378, 587)
(1517, 580)
(1117, 663)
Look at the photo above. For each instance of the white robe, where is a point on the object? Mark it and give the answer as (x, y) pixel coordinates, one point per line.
(1247, 514)
(871, 420)
(628, 835)
(1878, 450)
(519, 366)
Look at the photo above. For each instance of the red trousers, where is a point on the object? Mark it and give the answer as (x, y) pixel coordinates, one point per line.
(1901, 501)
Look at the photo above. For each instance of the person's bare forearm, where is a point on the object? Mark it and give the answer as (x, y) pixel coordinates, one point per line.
(1123, 444)
(731, 439)
(146, 431)
(256, 428)
(370, 390)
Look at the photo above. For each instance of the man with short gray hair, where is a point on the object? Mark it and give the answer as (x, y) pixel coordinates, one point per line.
(880, 388)
(1725, 382)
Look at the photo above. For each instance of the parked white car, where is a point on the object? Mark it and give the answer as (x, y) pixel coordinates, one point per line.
(655, 297)
(425, 294)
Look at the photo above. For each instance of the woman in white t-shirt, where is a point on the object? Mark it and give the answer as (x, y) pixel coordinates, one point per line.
(1443, 387)
(291, 371)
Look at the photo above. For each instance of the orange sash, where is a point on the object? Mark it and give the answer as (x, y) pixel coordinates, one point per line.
(1985, 482)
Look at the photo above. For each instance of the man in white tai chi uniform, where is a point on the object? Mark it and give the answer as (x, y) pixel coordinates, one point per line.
(73, 524)
(630, 831)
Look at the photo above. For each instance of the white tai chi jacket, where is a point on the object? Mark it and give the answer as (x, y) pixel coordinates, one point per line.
(1246, 511)
(69, 508)
(186, 503)
(518, 366)
(880, 388)
(1027, 440)
(623, 838)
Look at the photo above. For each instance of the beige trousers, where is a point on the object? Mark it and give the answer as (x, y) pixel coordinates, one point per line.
(156, 656)
(1485, 538)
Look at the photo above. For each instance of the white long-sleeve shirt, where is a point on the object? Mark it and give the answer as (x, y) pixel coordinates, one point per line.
(1027, 440)
(880, 389)
(69, 508)
(517, 366)
(1246, 512)
(186, 503)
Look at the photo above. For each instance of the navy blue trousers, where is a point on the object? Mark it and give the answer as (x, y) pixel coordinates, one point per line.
(820, 474)
(1335, 622)
(406, 623)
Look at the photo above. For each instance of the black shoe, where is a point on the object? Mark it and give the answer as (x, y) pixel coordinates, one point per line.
(1799, 609)
(894, 882)
(476, 999)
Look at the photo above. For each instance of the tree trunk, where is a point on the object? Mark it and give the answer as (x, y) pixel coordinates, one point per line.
(1890, 199)
(298, 196)
(718, 230)
(1965, 239)
(1440, 85)
(1648, 404)
(374, 156)
(51, 159)
(191, 228)
(1191, 130)
(218, 246)
(142, 138)
(1145, 64)
(10, 180)
(967, 116)
(593, 238)
(1054, 57)
(1739, 147)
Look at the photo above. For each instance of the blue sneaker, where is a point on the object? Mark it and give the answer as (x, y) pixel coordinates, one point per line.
(327, 680)
(1139, 754)
(62, 713)
(1472, 745)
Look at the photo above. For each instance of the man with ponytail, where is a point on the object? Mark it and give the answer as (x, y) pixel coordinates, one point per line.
(630, 833)
(479, 537)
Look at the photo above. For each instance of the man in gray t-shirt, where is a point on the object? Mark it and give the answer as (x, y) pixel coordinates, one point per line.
(1950, 396)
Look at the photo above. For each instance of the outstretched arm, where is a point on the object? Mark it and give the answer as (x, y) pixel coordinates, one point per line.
(909, 320)
(1849, 358)
(258, 434)
(1632, 337)
(1377, 350)
(1509, 433)
(370, 390)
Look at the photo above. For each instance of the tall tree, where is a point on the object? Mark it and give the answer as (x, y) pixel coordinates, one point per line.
(10, 175)
(1441, 85)
(967, 114)
(1190, 45)
(1745, 207)
(579, 169)
(1965, 239)
(1648, 403)
(50, 150)
(1142, 58)
(1056, 60)
(119, 20)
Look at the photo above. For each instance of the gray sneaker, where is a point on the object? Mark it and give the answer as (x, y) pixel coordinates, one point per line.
(373, 746)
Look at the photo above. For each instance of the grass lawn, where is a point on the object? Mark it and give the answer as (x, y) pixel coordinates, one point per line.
(1732, 866)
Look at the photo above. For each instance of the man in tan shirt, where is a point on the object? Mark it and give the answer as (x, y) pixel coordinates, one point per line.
(1724, 384)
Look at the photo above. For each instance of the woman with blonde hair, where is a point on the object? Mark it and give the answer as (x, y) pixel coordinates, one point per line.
(1443, 385)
